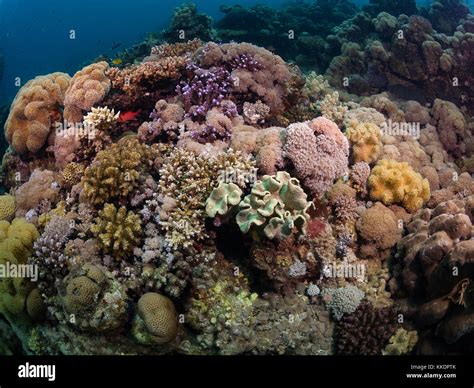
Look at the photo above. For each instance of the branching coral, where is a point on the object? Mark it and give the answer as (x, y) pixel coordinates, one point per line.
(88, 87)
(392, 182)
(115, 171)
(34, 111)
(186, 182)
(275, 207)
(319, 152)
(119, 231)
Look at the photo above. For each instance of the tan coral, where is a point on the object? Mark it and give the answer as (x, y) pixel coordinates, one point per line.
(88, 87)
(366, 141)
(34, 110)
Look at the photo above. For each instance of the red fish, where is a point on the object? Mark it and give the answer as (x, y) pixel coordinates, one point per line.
(129, 116)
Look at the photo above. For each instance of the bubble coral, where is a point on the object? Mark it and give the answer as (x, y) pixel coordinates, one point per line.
(156, 321)
(319, 152)
(119, 231)
(276, 205)
(366, 141)
(88, 87)
(7, 207)
(34, 110)
(392, 182)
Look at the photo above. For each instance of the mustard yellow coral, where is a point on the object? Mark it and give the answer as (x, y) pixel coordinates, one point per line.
(7, 207)
(115, 171)
(71, 174)
(118, 231)
(16, 243)
(366, 141)
(394, 182)
(34, 110)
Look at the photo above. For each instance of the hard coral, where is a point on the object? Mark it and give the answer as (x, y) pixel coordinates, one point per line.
(34, 110)
(7, 207)
(156, 321)
(392, 182)
(119, 231)
(276, 205)
(88, 87)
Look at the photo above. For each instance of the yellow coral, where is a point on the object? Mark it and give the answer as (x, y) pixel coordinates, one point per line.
(402, 342)
(34, 110)
(87, 88)
(59, 210)
(366, 141)
(16, 243)
(393, 182)
(118, 231)
(115, 171)
(7, 207)
(71, 174)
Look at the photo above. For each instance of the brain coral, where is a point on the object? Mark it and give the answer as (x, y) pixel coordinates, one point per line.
(276, 205)
(393, 182)
(115, 171)
(88, 87)
(156, 321)
(34, 110)
(366, 141)
(379, 231)
(119, 231)
(319, 152)
(16, 243)
(7, 207)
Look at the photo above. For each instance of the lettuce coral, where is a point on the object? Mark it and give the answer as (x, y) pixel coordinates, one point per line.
(276, 205)
(392, 182)
(118, 231)
(88, 87)
(223, 198)
(34, 110)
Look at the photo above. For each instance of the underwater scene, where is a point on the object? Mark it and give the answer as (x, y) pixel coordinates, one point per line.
(237, 177)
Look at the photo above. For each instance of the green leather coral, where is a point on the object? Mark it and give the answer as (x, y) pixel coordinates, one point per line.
(223, 198)
(276, 205)
(118, 231)
(115, 171)
(16, 243)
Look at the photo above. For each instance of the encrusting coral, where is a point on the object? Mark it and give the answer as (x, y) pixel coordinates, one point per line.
(392, 182)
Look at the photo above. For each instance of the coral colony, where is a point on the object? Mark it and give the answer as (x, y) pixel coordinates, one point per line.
(193, 196)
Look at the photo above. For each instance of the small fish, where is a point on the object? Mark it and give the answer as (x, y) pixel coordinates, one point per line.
(116, 45)
(129, 116)
(117, 61)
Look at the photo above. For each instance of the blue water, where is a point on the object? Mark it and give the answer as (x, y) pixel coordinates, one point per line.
(34, 34)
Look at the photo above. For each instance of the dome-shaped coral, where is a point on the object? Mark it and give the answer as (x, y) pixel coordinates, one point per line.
(276, 205)
(366, 141)
(156, 321)
(7, 207)
(34, 111)
(392, 182)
